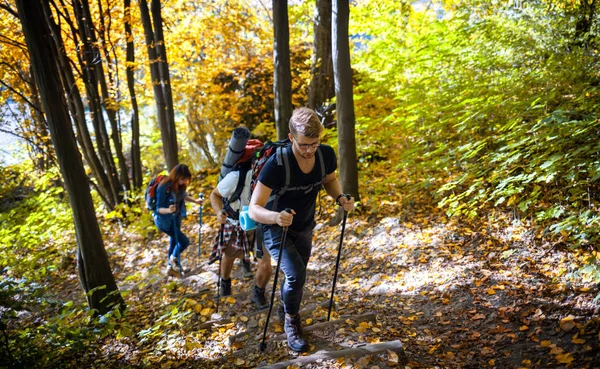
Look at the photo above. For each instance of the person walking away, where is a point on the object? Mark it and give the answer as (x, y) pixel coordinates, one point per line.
(171, 196)
(236, 240)
(312, 166)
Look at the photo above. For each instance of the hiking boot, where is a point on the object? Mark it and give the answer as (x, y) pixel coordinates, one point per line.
(293, 330)
(258, 298)
(247, 269)
(171, 272)
(173, 264)
(225, 287)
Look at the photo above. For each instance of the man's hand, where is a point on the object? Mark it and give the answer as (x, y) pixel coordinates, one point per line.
(172, 208)
(285, 219)
(348, 205)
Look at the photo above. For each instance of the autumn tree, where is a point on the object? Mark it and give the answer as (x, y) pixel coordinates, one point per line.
(321, 86)
(344, 98)
(21, 114)
(282, 82)
(161, 83)
(136, 157)
(94, 269)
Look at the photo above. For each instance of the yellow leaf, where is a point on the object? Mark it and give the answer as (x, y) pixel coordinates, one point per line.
(230, 300)
(239, 361)
(524, 328)
(565, 358)
(244, 318)
(491, 291)
(546, 343)
(376, 330)
(361, 329)
(206, 311)
(578, 341)
(308, 321)
(198, 308)
(393, 357)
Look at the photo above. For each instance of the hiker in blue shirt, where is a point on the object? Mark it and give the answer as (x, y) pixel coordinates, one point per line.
(171, 196)
(312, 166)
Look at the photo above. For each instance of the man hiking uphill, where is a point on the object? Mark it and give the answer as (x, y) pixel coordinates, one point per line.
(236, 240)
(312, 165)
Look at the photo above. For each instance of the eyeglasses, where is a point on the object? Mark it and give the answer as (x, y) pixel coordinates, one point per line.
(307, 146)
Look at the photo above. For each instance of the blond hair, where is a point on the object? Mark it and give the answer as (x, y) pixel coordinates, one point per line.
(306, 122)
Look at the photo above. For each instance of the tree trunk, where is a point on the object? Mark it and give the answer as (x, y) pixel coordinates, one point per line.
(75, 103)
(344, 98)
(282, 81)
(165, 79)
(136, 157)
(321, 84)
(167, 127)
(110, 103)
(94, 269)
(91, 61)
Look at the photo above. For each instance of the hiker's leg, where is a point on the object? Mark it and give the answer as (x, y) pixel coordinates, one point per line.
(172, 241)
(226, 266)
(293, 265)
(264, 270)
(182, 240)
(229, 256)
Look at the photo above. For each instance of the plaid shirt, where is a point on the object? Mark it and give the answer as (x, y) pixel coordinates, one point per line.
(241, 243)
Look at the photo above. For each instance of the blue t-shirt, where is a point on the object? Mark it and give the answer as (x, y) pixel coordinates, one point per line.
(305, 186)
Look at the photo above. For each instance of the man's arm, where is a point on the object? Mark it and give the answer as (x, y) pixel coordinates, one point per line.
(334, 189)
(258, 212)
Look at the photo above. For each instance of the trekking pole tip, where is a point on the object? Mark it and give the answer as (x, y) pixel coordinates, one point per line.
(262, 346)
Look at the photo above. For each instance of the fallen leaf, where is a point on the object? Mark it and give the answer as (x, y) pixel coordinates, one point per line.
(565, 358)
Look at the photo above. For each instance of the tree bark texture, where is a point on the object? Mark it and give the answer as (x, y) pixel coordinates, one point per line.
(95, 274)
(167, 126)
(344, 98)
(76, 106)
(282, 81)
(321, 86)
(136, 156)
(91, 62)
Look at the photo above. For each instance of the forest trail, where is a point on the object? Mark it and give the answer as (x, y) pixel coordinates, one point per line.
(478, 295)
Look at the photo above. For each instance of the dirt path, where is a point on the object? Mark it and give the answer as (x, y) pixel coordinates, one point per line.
(454, 295)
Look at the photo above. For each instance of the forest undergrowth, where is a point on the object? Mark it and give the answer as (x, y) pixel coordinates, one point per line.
(490, 292)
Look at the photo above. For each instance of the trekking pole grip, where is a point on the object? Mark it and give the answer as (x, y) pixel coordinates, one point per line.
(287, 210)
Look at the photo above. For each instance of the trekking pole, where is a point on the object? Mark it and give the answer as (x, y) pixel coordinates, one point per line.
(220, 256)
(263, 345)
(337, 262)
(199, 229)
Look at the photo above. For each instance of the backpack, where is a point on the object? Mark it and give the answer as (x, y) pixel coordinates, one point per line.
(243, 169)
(279, 148)
(242, 166)
(150, 195)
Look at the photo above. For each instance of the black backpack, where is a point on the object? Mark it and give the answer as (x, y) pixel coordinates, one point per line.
(282, 149)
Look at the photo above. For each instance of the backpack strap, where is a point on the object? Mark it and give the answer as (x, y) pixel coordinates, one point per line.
(283, 158)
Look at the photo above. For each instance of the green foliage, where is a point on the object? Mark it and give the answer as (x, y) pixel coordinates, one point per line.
(36, 234)
(492, 106)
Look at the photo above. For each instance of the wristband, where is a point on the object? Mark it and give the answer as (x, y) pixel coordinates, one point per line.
(337, 199)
